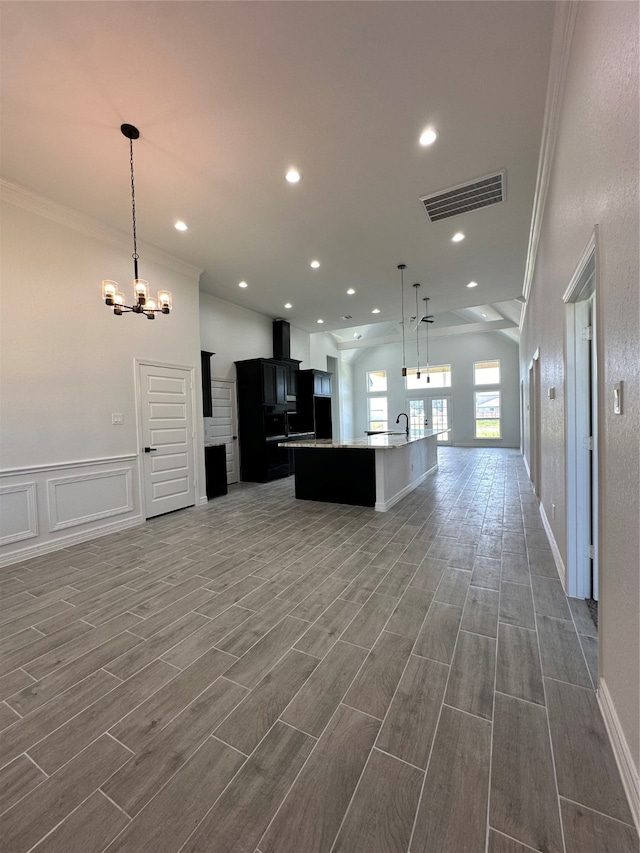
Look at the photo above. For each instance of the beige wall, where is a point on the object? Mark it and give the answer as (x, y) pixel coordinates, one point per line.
(594, 181)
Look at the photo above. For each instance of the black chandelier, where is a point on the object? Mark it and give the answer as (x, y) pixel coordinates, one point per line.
(110, 293)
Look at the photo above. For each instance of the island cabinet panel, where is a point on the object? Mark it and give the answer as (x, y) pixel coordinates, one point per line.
(336, 475)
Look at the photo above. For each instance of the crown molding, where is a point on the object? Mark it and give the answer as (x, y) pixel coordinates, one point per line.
(563, 28)
(47, 208)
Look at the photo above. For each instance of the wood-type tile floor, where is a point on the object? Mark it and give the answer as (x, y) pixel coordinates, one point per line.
(263, 674)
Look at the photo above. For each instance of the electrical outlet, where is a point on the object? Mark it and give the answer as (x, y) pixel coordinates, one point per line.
(117, 418)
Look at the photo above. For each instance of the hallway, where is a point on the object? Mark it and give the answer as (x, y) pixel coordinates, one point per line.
(265, 675)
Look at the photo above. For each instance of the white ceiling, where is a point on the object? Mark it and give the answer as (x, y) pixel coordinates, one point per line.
(228, 95)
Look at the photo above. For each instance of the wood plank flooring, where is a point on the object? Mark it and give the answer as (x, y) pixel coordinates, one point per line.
(266, 675)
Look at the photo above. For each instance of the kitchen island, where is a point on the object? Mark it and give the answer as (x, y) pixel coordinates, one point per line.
(376, 471)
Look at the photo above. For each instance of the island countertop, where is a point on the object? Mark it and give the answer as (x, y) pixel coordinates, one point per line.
(371, 442)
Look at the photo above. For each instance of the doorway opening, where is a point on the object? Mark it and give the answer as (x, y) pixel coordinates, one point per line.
(581, 359)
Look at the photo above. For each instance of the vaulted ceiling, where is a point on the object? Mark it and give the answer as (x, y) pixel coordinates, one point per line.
(229, 95)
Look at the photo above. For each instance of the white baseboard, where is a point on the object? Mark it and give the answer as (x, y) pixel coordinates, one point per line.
(562, 571)
(66, 541)
(526, 465)
(203, 500)
(383, 506)
(628, 770)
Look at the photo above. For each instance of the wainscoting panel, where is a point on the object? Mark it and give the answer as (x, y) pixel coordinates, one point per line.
(18, 513)
(54, 506)
(89, 497)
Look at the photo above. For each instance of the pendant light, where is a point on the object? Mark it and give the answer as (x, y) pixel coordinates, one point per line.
(402, 268)
(110, 293)
(416, 287)
(428, 318)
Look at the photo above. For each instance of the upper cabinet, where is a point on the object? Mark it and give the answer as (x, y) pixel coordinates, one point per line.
(207, 403)
(315, 382)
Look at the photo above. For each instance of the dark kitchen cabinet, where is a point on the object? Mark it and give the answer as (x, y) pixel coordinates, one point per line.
(207, 403)
(314, 402)
(215, 466)
(266, 413)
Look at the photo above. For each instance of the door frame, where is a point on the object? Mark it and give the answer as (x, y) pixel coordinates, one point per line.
(433, 394)
(534, 423)
(234, 406)
(197, 462)
(582, 480)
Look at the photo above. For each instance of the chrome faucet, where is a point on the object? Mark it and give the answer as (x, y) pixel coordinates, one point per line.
(407, 417)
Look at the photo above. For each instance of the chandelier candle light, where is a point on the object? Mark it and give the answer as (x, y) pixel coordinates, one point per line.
(110, 293)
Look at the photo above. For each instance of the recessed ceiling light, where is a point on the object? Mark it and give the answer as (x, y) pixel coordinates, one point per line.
(180, 226)
(351, 291)
(319, 321)
(457, 237)
(428, 137)
(484, 315)
(376, 311)
(357, 336)
(293, 176)
(314, 264)
(288, 305)
(243, 284)
(472, 284)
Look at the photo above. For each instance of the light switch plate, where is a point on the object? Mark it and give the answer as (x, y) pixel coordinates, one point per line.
(617, 398)
(117, 418)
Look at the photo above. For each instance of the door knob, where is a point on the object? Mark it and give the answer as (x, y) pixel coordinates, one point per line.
(150, 449)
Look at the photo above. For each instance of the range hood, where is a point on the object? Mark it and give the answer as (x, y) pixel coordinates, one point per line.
(281, 339)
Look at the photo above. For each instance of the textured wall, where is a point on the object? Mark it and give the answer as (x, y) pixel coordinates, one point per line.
(594, 181)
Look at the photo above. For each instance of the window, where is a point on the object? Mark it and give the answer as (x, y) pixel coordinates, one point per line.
(439, 376)
(378, 417)
(416, 414)
(376, 381)
(377, 405)
(487, 410)
(486, 372)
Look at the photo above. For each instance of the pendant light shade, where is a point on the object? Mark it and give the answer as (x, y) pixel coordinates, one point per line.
(142, 304)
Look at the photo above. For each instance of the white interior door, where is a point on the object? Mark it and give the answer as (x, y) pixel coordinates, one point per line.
(225, 422)
(166, 405)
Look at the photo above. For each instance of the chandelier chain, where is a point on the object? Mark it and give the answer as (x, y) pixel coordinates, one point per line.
(133, 205)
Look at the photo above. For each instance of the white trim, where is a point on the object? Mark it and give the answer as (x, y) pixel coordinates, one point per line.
(622, 753)
(577, 285)
(52, 485)
(40, 205)
(526, 465)
(32, 512)
(563, 27)
(562, 572)
(202, 501)
(198, 459)
(66, 541)
(581, 419)
(383, 506)
(62, 466)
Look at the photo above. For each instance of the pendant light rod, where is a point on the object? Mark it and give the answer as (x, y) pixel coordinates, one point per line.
(402, 268)
(416, 286)
(142, 304)
(428, 319)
